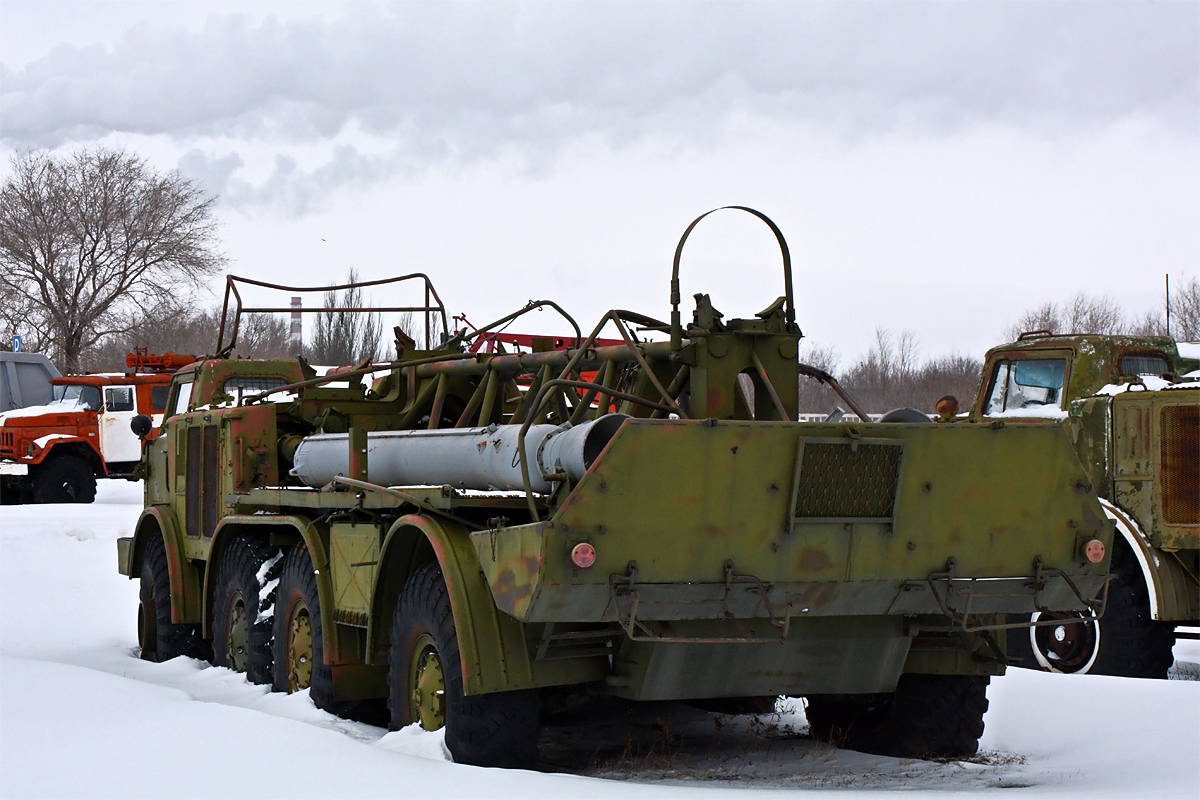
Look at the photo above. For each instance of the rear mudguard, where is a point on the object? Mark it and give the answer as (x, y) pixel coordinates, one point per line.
(1173, 593)
(492, 644)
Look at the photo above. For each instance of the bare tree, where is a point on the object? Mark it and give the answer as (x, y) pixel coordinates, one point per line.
(93, 243)
(1103, 315)
(1082, 314)
(342, 336)
(890, 375)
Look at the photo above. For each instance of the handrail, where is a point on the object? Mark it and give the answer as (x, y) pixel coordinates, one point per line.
(530, 306)
(790, 309)
(231, 282)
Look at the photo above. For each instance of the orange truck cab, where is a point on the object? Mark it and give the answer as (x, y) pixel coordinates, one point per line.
(55, 452)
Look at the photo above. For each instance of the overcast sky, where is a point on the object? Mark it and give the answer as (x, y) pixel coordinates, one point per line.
(936, 167)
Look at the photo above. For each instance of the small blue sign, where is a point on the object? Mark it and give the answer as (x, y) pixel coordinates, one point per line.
(16, 343)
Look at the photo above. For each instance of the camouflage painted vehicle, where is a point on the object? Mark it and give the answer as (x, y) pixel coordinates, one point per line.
(1136, 427)
(473, 538)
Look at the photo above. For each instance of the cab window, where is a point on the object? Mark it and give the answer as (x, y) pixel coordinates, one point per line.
(240, 386)
(118, 398)
(80, 396)
(1026, 384)
(183, 394)
(1144, 364)
(158, 397)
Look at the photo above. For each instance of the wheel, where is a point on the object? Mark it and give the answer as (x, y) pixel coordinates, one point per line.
(65, 479)
(1125, 642)
(425, 684)
(298, 648)
(158, 638)
(1071, 646)
(939, 716)
(241, 635)
(1133, 645)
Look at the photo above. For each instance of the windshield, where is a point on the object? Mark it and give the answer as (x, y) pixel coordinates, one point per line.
(77, 396)
(1027, 384)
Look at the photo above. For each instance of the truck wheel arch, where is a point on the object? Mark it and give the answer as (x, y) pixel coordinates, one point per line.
(185, 578)
(78, 448)
(1165, 580)
(491, 644)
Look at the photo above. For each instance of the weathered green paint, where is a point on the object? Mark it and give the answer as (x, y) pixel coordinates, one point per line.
(1127, 452)
(738, 553)
(731, 503)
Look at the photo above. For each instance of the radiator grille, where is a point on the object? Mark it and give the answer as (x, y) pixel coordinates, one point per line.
(838, 481)
(1180, 467)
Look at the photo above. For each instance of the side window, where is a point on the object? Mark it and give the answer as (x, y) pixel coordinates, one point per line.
(183, 396)
(1026, 384)
(158, 397)
(995, 403)
(1144, 364)
(118, 398)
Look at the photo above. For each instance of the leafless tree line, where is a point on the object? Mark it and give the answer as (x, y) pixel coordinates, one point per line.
(891, 373)
(1104, 315)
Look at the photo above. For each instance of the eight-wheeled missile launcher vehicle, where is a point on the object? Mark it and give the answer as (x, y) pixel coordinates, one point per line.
(465, 535)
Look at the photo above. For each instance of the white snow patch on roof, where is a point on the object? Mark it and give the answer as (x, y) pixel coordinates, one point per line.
(1149, 384)
(1189, 349)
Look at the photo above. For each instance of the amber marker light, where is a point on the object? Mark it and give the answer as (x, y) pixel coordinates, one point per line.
(583, 555)
(1093, 550)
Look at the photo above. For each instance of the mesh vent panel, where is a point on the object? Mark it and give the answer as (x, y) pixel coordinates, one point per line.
(1181, 464)
(835, 482)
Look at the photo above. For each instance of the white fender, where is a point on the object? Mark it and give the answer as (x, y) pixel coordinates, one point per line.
(1139, 543)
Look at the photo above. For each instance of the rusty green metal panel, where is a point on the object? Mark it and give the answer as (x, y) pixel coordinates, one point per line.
(725, 493)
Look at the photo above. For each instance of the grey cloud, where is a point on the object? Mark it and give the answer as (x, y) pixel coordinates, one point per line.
(468, 81)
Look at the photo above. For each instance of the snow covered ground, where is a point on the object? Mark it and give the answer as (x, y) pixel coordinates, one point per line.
(81, 716)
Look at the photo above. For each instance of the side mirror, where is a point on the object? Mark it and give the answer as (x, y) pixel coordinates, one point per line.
(141, 425)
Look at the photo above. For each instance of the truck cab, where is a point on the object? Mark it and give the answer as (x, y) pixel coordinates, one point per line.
(54, 453)
(1133, 417)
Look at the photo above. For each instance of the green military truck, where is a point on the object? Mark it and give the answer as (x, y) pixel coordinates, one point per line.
(471, 537)
(1135, 423)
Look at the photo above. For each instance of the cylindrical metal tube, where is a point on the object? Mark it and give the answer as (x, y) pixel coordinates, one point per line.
(466, 458)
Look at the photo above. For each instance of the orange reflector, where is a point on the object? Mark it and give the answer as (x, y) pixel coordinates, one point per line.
(583, 555)
(1093, 550)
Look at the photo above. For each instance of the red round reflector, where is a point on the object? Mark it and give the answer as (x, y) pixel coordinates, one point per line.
(1093, 550)
(583, 555)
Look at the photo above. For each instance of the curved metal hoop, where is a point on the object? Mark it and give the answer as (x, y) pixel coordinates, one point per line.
(790, 310)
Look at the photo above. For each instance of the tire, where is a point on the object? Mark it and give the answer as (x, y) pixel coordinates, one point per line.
(241, 634)
(425, 684)
(64, 479)
(298, 646)
(158, 638)
(1125, 642)
(928, 716)
(1132, 644)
